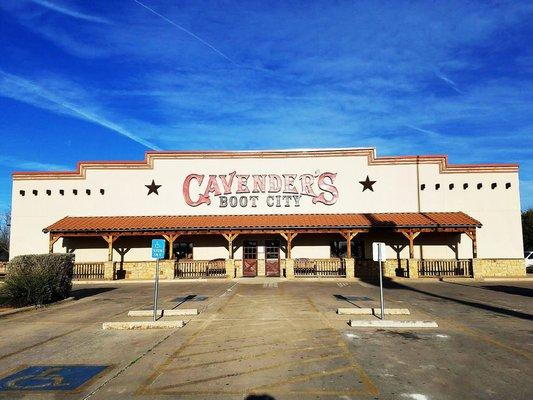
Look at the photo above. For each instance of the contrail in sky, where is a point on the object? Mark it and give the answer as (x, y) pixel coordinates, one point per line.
(187, 32)
(20, 89)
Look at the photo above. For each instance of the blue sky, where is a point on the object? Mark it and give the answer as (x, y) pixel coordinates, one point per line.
(99, 79)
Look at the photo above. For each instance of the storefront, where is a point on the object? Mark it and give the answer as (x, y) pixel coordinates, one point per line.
(274, 213)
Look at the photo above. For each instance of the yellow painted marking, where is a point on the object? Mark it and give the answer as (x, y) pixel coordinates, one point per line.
(247, 372)
(303, 378)
(371, 388)
(248, 357)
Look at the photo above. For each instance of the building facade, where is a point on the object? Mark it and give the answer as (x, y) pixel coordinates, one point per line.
(275, 213)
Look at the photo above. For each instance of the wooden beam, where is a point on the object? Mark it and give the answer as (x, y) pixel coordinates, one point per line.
(289, 236)
(411, 236)
(110, 239)
(349, 235)
(52, 239)
(170, 238)
(230, 237)
(252, 231)
(473, 237)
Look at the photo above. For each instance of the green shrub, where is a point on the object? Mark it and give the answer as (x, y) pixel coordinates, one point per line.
(37, 279)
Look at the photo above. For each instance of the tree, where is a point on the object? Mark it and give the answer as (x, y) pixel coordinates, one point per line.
(5, 227)
(527, 229)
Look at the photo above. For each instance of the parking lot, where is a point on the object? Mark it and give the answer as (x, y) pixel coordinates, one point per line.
(280, 339)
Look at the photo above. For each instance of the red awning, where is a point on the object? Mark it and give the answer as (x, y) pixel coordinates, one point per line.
(262, 222)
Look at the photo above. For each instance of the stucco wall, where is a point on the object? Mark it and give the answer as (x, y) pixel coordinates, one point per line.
(395, 190)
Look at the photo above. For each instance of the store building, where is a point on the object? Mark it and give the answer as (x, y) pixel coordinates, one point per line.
(274, 213)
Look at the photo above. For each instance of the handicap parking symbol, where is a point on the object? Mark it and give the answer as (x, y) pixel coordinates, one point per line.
(51, 377)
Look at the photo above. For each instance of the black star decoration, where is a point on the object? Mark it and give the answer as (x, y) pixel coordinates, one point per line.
(367, 184)
(152, 188)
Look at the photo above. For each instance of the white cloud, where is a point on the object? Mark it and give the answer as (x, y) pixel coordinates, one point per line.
(70, 12)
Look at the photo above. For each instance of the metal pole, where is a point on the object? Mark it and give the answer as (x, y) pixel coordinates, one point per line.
(381, 284)
(156, 288)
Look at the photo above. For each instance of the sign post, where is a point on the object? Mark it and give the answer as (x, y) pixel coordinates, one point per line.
(378, 252)
(158, 252)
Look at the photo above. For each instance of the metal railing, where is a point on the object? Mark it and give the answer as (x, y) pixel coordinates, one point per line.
(436, 268)
(88, 271)
(200, 269)
(328, 267)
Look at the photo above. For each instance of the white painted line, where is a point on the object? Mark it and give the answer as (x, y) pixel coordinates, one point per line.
(166, 313)
(380, 323)
(372, 311)
(143, 325)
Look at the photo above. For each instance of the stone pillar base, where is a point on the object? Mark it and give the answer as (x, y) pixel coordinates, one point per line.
(261, 267)
(230, 268)
(289, 268)
(238, 268)
(350, 267)
(109, 270)
(413, 268)
(477, 268)
(166, 269)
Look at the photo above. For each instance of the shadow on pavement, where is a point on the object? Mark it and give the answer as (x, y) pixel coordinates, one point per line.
(88, 292)
(352, 299)
(389, 284)
(519, 291)
(184, 299)
(260, 397)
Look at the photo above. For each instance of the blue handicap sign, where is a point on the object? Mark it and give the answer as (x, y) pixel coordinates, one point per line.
(158, 248)
(50, 377)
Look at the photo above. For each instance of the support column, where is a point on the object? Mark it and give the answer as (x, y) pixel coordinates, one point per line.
(109, 271)
(230, 268)
(349, 235)
(289, 268)
(51, 241)
(411, 236)
(230, 237)
(166, 269)
(171, 239)
(288, 236)
(110, 239)
(413, 268)
(473, 238)
(350, 267)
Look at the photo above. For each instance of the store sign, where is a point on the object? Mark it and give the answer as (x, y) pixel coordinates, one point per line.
(242, 190)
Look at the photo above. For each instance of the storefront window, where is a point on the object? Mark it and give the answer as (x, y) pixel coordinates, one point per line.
(183, 250)
(338, 249)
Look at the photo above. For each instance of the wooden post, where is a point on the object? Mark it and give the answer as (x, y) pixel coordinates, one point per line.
(289, 236)
(230, 237)
(109, 239)
(472, 236)
(171, 239)
(411, 236)
(51, 241)
(349, 235)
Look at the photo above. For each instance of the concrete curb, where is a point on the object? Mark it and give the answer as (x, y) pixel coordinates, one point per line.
(510, 279)
(372, 311)
(30, 308)
(379, 323)
(142, 325)
(255, 280)
(166, 313)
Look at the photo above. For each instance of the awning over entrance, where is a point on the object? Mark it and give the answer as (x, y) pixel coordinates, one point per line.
(288, 226)
(445, 221)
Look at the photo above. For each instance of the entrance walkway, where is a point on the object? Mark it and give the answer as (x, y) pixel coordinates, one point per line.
(263, 341)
